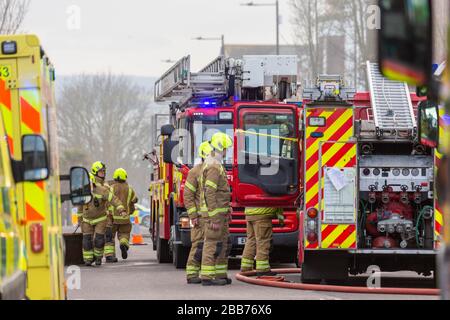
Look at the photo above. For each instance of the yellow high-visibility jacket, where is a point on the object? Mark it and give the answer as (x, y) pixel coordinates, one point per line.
(215, 195)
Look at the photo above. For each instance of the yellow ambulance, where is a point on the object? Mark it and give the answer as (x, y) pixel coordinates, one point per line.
(12, 250)
(27, 105)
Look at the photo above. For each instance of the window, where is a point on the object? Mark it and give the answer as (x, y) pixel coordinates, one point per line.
(270, 134)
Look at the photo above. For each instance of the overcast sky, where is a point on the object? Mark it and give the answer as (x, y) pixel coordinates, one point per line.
(134, 36)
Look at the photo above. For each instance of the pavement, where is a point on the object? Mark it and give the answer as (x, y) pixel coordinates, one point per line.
(140, 277)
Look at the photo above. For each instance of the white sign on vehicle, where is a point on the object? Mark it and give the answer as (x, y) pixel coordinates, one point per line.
(241, 240)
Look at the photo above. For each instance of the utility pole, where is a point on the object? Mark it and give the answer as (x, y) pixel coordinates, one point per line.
(277, 11)
(221, 38)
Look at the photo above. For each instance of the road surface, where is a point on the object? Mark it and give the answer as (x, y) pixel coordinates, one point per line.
(142, 278)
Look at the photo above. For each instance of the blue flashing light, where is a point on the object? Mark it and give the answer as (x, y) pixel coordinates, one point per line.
(207, 104)
(317, 135)
(434, 67)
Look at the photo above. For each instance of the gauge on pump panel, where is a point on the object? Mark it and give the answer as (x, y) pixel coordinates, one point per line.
(415, 172)
(366, 172)
(406, 172)
(396, 172)
(376, 172)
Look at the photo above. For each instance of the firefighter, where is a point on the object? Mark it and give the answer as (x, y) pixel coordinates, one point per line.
(121, 224)
(98, 169)
(259, 238)
(93, 221)
(192, 203)
(215, 202)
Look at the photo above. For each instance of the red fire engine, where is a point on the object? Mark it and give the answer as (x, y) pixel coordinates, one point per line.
(369, 183)
(240, 98)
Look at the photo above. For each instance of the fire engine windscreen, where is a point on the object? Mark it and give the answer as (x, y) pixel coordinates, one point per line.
(270, 135)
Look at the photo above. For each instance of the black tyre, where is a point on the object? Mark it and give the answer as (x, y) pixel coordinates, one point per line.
(154, 245)
(162, 248)
(180, 256)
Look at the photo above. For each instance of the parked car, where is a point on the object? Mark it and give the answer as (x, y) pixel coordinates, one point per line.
(144, 215)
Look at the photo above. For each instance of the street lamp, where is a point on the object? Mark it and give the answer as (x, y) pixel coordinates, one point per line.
(277, 11)
(221, 38)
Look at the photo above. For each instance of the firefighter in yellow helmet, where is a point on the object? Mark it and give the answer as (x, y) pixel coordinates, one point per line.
(98, 169)
(121, 225)
(215, 200)
(192, 189)
(259, 238)
(93, 221)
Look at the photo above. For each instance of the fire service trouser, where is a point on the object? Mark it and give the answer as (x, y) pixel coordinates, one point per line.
(93, 240)
(122, 232)
(259, 238)
(216, 249)
(195, 255)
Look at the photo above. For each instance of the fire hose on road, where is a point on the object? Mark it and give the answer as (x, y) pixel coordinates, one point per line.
(279, 282)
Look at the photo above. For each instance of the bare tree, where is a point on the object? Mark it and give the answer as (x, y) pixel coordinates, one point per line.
(306, 22)
(316, 22)
(105, 117)
(441, 22)
(12, 14)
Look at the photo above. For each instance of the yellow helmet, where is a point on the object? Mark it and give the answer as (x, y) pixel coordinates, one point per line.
(204, 150)
(92, 178)
(97, 166)
(221, 141)
(120, 175)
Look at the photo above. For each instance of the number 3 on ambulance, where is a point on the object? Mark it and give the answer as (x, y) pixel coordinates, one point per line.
(5, 72)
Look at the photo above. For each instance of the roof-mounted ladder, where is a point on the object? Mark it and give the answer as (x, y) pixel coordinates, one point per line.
(180, 85)
(391, 103)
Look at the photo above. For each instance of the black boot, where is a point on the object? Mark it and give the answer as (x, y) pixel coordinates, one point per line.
(111, 259)
(98, 261)
(214, 282)
(124, 250)
(196, 280)
(228, 280)
(88, 263)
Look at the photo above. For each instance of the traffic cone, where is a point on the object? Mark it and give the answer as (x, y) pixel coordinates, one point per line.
(136, 236)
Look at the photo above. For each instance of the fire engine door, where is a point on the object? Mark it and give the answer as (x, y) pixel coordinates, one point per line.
(267, 150)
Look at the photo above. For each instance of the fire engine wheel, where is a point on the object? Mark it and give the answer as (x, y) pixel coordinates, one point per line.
(180, 256)
(162, 248)
(250, 277)
(152, 232)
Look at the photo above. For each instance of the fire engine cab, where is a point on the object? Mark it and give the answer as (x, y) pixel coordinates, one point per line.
(369, 184)
(240, 98)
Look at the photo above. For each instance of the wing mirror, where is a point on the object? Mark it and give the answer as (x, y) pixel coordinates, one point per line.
(80, 186)
(34, 166)
(429, 124)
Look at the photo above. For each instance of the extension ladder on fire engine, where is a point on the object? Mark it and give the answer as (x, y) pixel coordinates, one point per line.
(181, 85)
(391, 104)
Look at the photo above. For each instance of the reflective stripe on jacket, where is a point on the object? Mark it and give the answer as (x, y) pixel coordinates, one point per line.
(103, 198)
(215, 192)
(127, 196)
(263, 211)
(192, 191)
